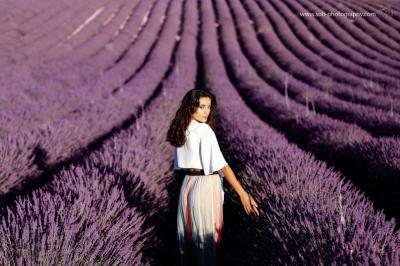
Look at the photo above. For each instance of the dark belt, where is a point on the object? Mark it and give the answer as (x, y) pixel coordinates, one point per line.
(192, 171)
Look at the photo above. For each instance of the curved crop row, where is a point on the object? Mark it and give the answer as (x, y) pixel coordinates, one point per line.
(377, 21)
(106, 37)
(35, 60)
(78, 97)
(92, 181)
(297, 70)
(21, 38)
(384, 12)
(307, 215)
(340, 76)
(86, 31)
(56, 142)
(138, 28)
(46, 35)
(382, 43)
(386, 3)
(29, 17)
(337, 142)
(142, 150)
(126, 157)
(82, 217)
(13, 36)
(358, 65)
(360, 40)
(375, 121)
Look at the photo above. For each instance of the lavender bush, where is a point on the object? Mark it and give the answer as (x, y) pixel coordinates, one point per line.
(82, 218)
(53, 143)
(87, 92)
(329, 139)
(375, 121)
(72, 99)
(296, 68)
(291, 186)
(381, 43)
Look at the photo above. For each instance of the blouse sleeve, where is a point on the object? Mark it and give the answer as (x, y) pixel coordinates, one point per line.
(210, 154)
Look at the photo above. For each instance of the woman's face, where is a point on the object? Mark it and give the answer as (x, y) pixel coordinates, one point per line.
(204, 109)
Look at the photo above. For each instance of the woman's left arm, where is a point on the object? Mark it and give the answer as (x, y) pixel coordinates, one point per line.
(248, 202)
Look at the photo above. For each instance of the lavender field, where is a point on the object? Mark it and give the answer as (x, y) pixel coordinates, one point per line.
(308, 118)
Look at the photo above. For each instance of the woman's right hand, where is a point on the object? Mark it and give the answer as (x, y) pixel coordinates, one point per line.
(249, 204)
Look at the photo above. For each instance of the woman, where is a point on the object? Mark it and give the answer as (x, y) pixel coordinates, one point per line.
(198, 158)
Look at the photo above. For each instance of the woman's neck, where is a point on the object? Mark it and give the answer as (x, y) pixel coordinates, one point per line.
(197, 120)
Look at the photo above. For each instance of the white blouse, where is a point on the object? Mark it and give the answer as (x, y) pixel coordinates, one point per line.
(200, 151)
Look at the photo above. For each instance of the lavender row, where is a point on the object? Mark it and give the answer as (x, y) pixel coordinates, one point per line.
(48, 133)
(380, 33)
(72, 79)
(383, 43)
(103, 38)
(17, 38)
(20, 28)
(338, 75)
(16, 14)
(41, 71)
(141, 150)
(380, 73)
(21, 32)
(10, 16)
(84, 66)
(146, 140)
(355, 37)
(57, 32)
(377, 21)
(54, 28)
(86, 31)
(358, 46)
(127, 154)
(332, 140)
(149, 144)
(375, 121)
(298, 69)
(388, 11)
(13, 36)
(392, 4)
(36, 74)
(75, 98)
(308, 216)
(46, 35)
(36, 15)
(139, 32)
(343, 42)
(73, 38)
(50, 144)
(385, 15)
(82, 217)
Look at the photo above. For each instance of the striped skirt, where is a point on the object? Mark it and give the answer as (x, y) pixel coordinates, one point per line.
(200, 219)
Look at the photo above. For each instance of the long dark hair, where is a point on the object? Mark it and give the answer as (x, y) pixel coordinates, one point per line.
(190, 102)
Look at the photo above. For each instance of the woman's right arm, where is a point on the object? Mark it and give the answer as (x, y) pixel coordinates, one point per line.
(248, 202)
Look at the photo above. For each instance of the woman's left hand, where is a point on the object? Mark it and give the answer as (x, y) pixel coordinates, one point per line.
(249, 204)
